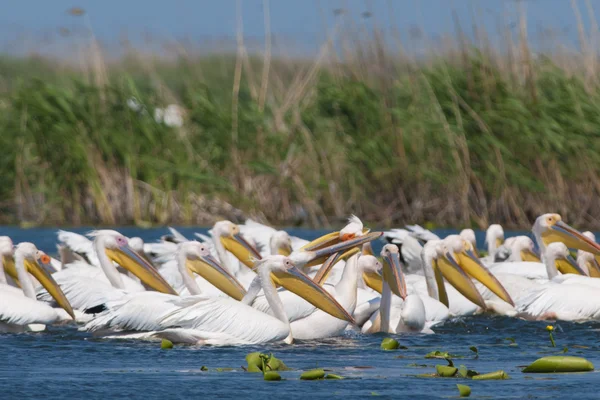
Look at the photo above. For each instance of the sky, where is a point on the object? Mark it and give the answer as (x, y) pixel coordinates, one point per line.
(40, 26)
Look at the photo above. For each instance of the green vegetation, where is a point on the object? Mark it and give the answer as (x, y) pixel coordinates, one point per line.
(464, 137)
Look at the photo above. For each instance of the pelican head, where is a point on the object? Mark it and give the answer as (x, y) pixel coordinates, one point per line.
(549, 228)
(353, 230)
(494, 236)
(34, 261)
(461, 251)
(230, 237)
(559, 254)
(290, 277)
(117, 248)
(525, 248)
(280, 243)
(199, 260)
(370, 267)
(392, 270)
(469, 235)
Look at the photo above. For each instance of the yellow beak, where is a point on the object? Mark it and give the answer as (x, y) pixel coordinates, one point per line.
(323, 273)
(46, 280)
(572, 238)
(241, 249)
(499, 242)
(393, 275)
(568, 265)
(208, 268)
(594, 268)
(472, 266)
(10, 269)
(328, 240)
(453, 273)
(126, 257)
(531, 256)
(295, 281)
(285, 250)
(342, 245)
(373, 280)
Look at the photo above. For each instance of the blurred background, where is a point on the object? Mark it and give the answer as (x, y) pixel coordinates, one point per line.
(446, 113)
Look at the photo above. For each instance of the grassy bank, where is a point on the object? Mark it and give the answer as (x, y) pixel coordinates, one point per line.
(467, 135)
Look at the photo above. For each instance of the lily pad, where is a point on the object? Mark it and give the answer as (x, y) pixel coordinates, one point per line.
(496, 375)
(466, 373)
(445, 371)
(463, 390)
(271, 376)
(560, 364)
(313, 374)
(389, 344)
(441, 354)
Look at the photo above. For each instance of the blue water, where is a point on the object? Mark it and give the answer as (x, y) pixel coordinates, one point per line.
(65, 363)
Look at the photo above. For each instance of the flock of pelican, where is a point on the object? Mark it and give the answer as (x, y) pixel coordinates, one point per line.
(250, 283)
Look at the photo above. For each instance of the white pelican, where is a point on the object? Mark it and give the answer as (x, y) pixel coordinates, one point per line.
(19, 310)
(468, 234)
(405, 313)
(141, 312)
(89, 288)
(565, 297)
(223, 321)
(568, 297)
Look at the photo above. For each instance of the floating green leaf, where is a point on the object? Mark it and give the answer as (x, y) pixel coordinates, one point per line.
(271, 376)
(445, 371)
(166, 344)
(313, 374)
(441, 354)
(389, 344)
(496, 375)
(203, 368)
(334, 376)
(560, 364)
(466, 373)
(463, 390)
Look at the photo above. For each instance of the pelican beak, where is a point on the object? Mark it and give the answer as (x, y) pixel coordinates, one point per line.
(323, 272)
(499, 242)
(127, 258)
(572, 238)
(568, 265)
(241, 249)
(329, 239)
(321, 276)
(393, 275)
(36, 268)
(297, 282)
(373, 280)
(210, 269)
(594, 268)
(470, 264)
(285, 250)
(454, 274)
(10, 269)
(530, 255)
(321, 254)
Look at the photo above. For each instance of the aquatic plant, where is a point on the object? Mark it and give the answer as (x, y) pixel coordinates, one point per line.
(461, 135)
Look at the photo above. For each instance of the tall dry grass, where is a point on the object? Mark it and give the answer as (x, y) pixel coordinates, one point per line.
(465, 134)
